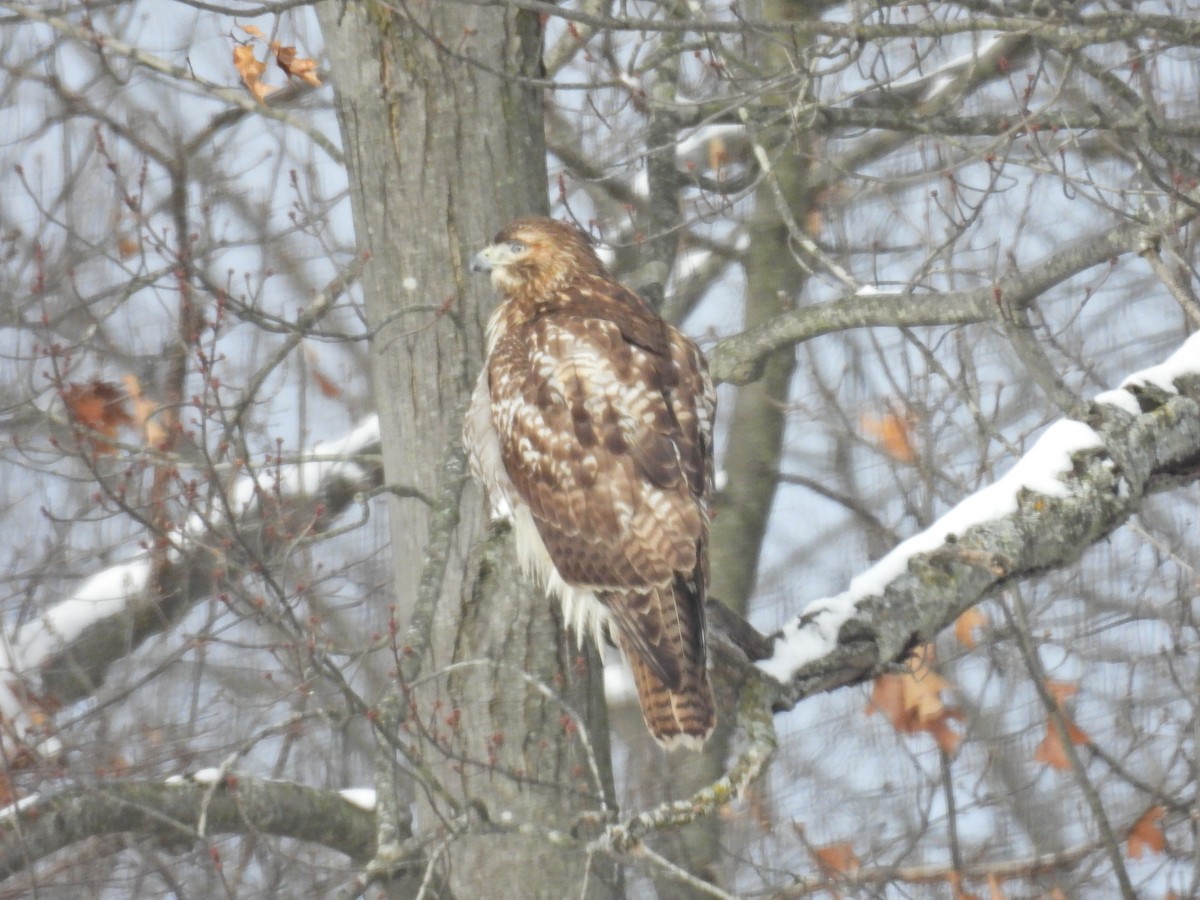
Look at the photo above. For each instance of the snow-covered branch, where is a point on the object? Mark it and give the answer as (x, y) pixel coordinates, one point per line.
(64, 654)
(1079, 482)
(181, 811)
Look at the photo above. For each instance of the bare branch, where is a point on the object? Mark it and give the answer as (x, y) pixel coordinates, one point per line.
(169, 811)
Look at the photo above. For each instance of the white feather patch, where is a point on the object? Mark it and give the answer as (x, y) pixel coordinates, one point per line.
(583, 612)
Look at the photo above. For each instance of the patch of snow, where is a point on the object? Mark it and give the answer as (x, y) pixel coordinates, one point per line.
(691, 261)
(1184, 361)
(618, 683)
(694, 148)
(306, 477)
(209, 775)
(106, 594)
(809, 636)
(1121, 399)
(631, 81)
(607, 255)
(641, 183)
(13, 808)
(940, 84)
(363, 798)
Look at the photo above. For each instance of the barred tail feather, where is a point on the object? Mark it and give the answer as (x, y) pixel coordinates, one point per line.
(682, 716)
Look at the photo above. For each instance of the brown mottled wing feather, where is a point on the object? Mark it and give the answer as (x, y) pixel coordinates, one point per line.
(604, 416)
(592, 445)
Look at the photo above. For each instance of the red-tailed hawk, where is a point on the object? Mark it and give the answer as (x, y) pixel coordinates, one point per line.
(592, 422)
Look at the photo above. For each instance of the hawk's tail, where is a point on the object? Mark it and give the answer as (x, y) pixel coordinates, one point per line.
(682, 716)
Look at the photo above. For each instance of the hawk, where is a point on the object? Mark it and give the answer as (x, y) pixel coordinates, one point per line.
(592, 423)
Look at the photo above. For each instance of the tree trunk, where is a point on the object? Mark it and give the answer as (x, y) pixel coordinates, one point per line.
(441, 152)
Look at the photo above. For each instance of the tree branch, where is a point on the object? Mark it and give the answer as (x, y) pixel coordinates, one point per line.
(1078, 483)
(170, 810)
(64, 654)
(739, 359)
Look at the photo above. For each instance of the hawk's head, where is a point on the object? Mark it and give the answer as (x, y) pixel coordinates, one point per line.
(533, 256)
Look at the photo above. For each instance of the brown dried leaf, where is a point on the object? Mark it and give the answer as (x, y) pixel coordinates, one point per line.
(1146, 835)
(251, 68)
(99, 406)
(326, 385)
(946, 737)
(891, 432)
(965, 625)
(1051, 750)
(994, 891)
(126, 246)
(294, 66)
(143, 413)
(837, 859)
(912, 701)
(1061, 691)
(253, 31)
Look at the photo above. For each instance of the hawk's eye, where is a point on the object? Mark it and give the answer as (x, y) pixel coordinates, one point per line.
(516, 246)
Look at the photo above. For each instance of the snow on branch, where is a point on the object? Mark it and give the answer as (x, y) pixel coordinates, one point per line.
(951, 78)
(1079, 482)
(64, 654)
(182, 811)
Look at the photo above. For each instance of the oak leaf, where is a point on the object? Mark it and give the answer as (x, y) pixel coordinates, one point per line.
(250, 67)
(891, 432)
(836, 859)
(912, 701)
(965, 625)
(100, 407)
(295, 66)
(1051, 750)
(1146, 835)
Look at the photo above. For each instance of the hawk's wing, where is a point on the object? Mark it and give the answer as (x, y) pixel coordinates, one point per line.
(605, 430)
